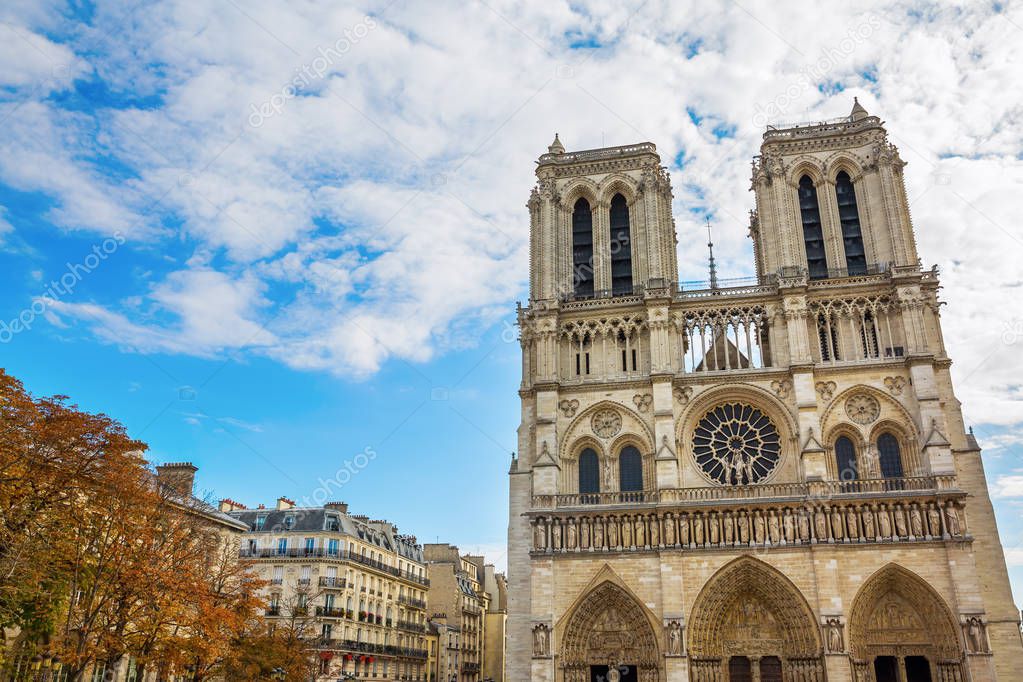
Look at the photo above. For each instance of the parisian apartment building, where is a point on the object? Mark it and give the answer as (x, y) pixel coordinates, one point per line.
(458, 600)
(355, 585)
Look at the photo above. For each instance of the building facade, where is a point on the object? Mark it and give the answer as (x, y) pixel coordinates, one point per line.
(357, 586)
(767, 482)
(496, 586)
(458, 597)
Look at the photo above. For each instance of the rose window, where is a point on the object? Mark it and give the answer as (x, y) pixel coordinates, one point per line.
(736, 444)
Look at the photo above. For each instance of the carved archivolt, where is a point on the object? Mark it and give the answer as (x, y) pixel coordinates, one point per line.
(750, 609)
(608, 627)
(896, 613)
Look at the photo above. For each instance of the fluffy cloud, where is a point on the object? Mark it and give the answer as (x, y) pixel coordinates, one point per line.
(350, 178)
(1008, 486)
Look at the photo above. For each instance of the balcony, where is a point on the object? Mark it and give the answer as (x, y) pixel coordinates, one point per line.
(330, 612)
(273, 611)
(713, 495)
(414, 603)
(333, 583)
(409, 626)
(470, 668)
(354, 646)
(325, 553)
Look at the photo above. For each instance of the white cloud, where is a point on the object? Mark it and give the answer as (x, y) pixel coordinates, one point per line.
(5, 225)
(1010, 485)
(197, 312)
(383, 206)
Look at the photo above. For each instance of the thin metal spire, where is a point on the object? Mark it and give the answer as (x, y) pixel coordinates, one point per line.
(713, 267)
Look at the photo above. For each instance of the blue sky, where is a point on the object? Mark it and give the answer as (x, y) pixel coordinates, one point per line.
(284, 235)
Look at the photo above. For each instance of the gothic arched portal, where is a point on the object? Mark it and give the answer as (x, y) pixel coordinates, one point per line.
(898, 620)
(749, 615)
(609, 628)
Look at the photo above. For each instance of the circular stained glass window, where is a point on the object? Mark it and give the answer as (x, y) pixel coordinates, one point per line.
(736, 444)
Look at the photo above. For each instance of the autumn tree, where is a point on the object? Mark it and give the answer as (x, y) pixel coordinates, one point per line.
(100, 562)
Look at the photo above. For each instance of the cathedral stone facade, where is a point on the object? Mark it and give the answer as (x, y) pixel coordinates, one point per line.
(766, 482)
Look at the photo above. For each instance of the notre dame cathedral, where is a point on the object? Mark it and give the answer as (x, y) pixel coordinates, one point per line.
(733, 483)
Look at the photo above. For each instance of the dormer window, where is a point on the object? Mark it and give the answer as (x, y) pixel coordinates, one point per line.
(289, 522)
(260, 521)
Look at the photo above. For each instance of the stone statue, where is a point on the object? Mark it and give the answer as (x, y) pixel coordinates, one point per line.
(916, 522)
(598, 534)
(541, 641)
(772, 528)
(674, 639)
(885, 522)
(640, 532)
(934, 520)
(789, 527)
(683, 529)
(851, 522)
(975, 635)
(868, 523)
(669, 530)
(655, 534)
(900, 522)
(609, 475)
(804, 525)
(571, 534)
(821, 525)
(712, 529)
(834, 636)
(540, 537)
(837, 525)
(584, 534)
(758, 528)
(729, 529)
(626, 532)
(612, 532)
(743, 522)
(698, 530)
(556, 536)
(952, 520)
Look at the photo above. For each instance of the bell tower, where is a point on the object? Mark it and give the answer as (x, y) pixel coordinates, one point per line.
(600, 223)
(830, 199)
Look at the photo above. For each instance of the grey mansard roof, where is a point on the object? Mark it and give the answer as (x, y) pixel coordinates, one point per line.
(314, 519)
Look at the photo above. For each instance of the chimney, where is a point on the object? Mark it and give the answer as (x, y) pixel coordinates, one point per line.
(229, 505)
(339, 506)
(284, 503)
(177, 476)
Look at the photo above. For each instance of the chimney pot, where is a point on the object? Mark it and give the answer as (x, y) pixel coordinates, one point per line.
(177, 476)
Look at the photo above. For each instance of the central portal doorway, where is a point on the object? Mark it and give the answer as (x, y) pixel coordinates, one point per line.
(602, 673)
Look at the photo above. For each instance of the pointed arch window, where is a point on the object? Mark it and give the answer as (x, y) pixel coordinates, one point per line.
(582, 249)
(589, 472)
(813, 232)
(849, 216)
(630, 470)
(890, 456)
(621, 247)
(845, 459)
